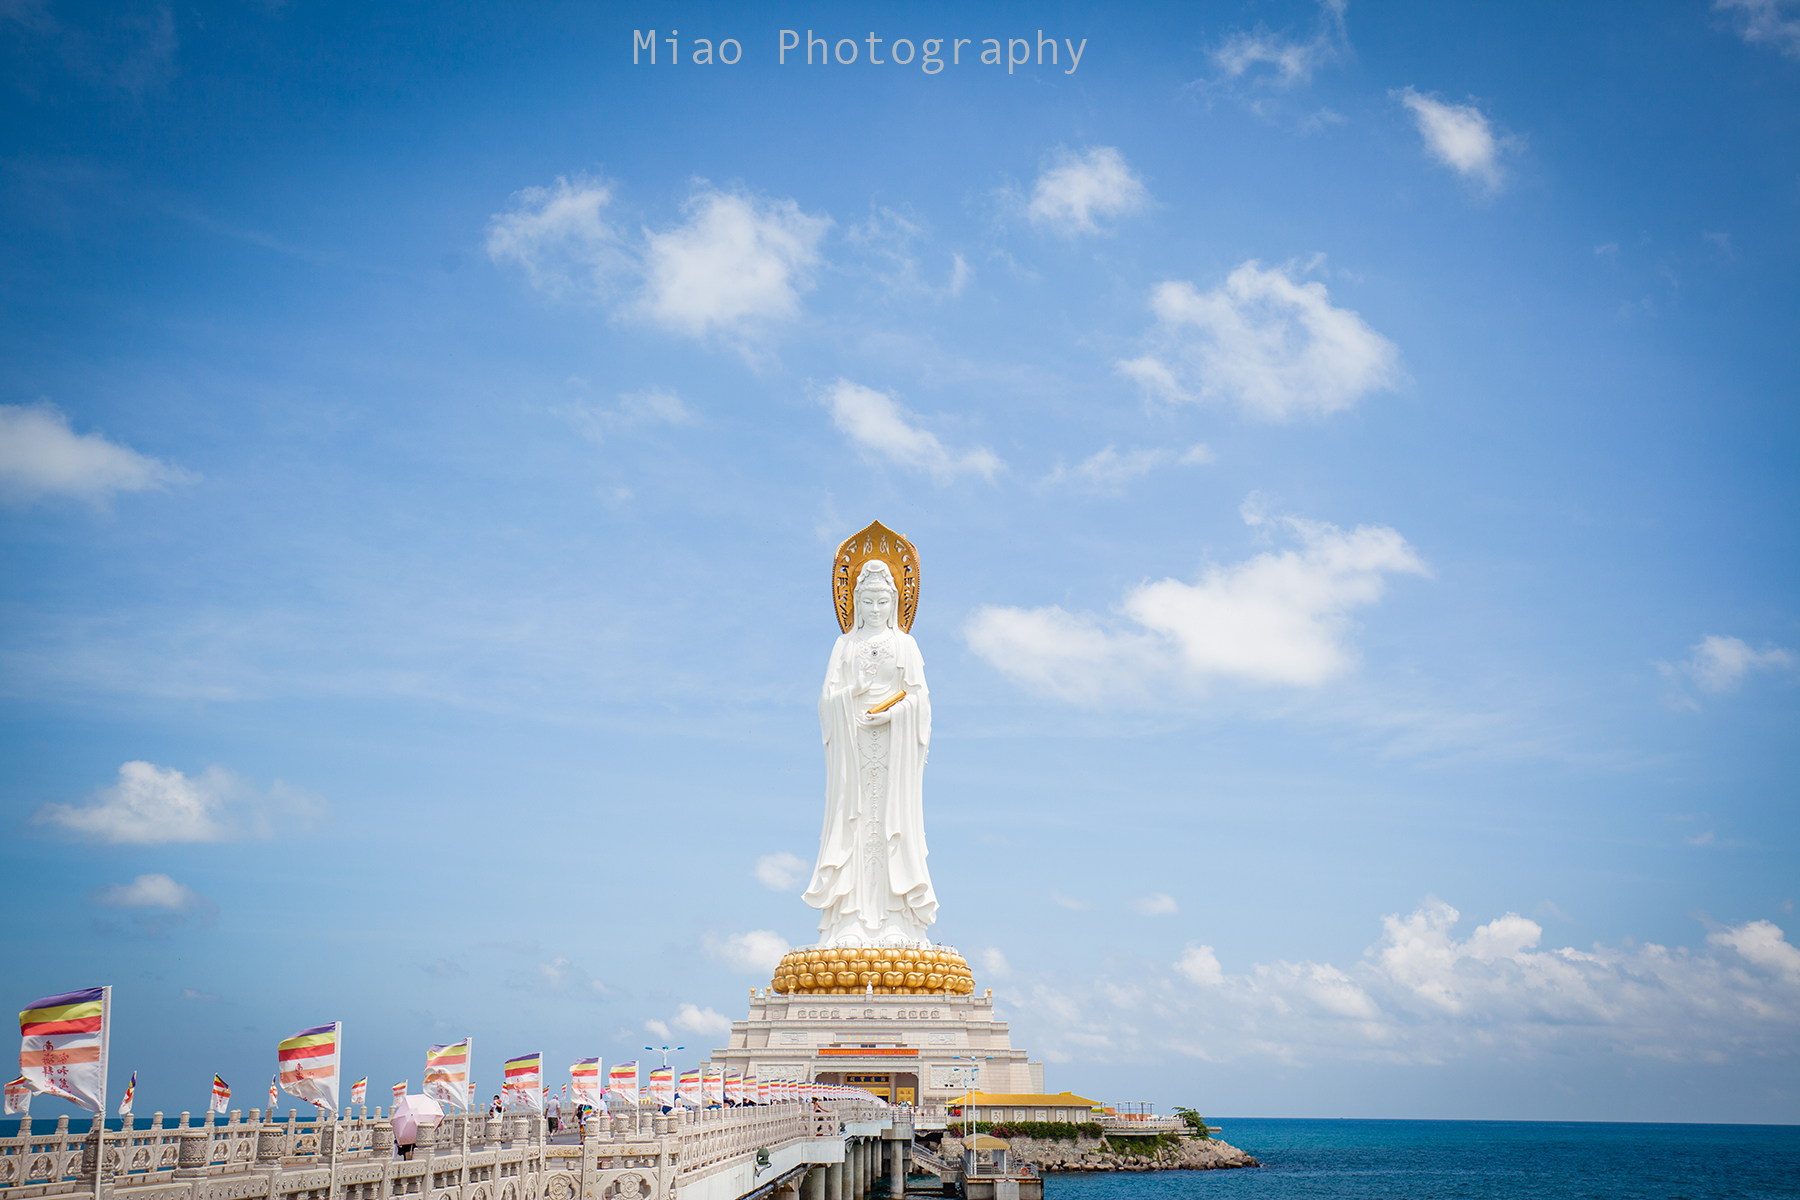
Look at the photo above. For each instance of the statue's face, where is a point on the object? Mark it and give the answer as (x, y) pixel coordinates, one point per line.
(875, 607)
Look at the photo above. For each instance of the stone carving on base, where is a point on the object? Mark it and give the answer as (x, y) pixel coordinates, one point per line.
(629, 1186)
(870, 882)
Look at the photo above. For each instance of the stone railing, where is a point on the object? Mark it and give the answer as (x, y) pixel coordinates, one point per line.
(1143, 1123)
(508, 1157)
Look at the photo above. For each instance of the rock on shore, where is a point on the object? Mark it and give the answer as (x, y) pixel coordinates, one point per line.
(1101, 1154)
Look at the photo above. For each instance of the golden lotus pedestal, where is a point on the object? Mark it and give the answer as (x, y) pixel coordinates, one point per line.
(888, 972)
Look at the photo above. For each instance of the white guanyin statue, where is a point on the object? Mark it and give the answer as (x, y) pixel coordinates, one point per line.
(871, 883)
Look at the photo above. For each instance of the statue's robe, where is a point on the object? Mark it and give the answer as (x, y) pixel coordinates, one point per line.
(910, 899)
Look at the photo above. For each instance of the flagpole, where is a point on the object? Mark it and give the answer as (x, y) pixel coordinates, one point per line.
(105, 1051)
(468, 1110)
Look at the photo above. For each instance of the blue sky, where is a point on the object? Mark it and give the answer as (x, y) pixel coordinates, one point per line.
(1351, 452)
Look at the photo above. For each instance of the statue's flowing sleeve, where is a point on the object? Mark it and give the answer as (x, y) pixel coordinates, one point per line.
(831, 876)
(908, 875)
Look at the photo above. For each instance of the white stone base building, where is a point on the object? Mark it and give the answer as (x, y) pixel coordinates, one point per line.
(907, 1049)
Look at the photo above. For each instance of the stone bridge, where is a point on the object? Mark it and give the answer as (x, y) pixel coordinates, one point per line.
(770, 1152)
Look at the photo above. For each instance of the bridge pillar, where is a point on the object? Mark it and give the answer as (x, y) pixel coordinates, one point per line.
(896, 1169)
(834, 1181)
(812, 1185)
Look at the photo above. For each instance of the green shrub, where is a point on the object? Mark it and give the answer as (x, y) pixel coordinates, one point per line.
(1049, 1131)
(1194, 1121)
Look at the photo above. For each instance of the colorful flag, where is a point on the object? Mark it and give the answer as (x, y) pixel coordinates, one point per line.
(221, 1096)
(18, 1096)
(399, 1090)
(447, 1073)
(712, 1087)
(734, 1087)
(762, 1090)
(63, 1051)
(309, 1064)
(272, 1093)
(585, 1075)
(662, 1087)
(623, 1082)
(524, 1079)
(130, 1094)
(359, 1091)
(688, 1090)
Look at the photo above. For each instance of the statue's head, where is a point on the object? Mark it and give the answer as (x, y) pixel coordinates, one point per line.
(877, 597)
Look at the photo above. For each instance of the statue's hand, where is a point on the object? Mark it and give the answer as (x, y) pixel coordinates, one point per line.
(880, 718)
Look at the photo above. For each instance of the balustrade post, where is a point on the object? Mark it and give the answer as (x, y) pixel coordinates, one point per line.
(193, 1144)
(381, 1139)
(269, 1144)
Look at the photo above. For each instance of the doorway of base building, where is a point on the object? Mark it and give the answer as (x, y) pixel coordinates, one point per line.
(895, 1089)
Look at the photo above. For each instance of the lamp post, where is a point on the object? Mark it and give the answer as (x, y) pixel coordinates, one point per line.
(664, 1051)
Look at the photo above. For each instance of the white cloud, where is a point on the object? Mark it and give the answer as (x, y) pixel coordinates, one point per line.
(151, 805)
(198, 996)
(1457, 135)
(1079, 187)
(1762, 21)
(553, 971)
(1201, 965)
(1421, 994)
(558, 236)
(1161, 904)
(756, 952)
(1069, 902)
(151, 891)
(993, 961)
(1265, 341)
(779, 872)
(1289, 61)
(42, 457)
(872, 420)
(701, 1020)
(1280, 618)
(657, 1028)
(1719, 664)
(736, 264)
(1108, 470)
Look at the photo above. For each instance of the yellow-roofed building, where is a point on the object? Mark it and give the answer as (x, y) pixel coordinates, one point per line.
(1029, 1106)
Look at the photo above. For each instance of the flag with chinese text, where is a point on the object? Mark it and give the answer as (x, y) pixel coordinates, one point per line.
(63, 1046)
(661, 1089)
(447, 1073)
(524, 1080)
(309, 1064)
(623, 1082)
(585, 1075)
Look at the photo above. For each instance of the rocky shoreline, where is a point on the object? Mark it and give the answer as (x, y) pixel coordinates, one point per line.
(1101, 1154)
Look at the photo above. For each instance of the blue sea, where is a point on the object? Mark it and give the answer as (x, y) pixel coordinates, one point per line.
(1516, 1160)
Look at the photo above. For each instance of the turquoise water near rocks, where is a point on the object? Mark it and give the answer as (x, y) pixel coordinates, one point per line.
(1515, 1160)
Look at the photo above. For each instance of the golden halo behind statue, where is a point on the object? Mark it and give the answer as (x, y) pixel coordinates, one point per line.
(902, 558)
